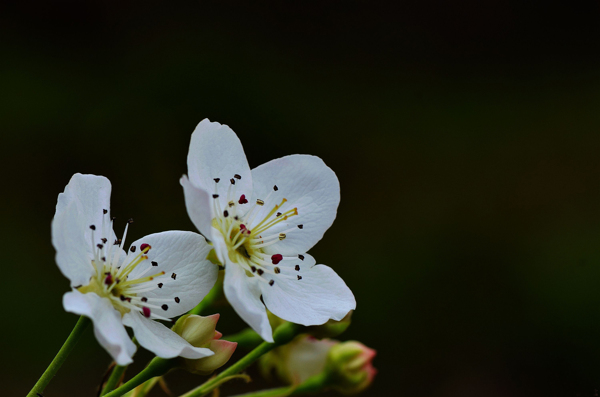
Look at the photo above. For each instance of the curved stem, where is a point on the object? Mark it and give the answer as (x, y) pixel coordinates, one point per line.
(311, 385)
(114, 378)
(116, 375)
(60, 357)
(284, 334)
(247, 338)
(157, 367)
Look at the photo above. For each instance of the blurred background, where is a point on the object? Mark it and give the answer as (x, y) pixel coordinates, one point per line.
(465, 136)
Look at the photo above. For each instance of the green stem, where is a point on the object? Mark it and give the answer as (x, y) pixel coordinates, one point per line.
(113, 379)
(283, 334)
(311, 385)
(60, 358)
(157, 367)
(116, 375)
(247, 338)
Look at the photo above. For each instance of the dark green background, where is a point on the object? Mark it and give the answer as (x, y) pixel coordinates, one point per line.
(465, 137)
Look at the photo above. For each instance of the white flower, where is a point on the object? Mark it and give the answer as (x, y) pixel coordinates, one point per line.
(262, 222)
(161, 276)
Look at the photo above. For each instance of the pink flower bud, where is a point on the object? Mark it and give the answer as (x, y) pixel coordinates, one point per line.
(201, 332)
(350, 367)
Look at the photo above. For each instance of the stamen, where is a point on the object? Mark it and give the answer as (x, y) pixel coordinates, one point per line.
(104, 240)
(299, 277)
(160, 285)
(93, 227)
(173, 276)
(297, 268)
(301, 257)
(271, 282)
(260, 202)
(237, 176)
(217, 180)
(177, 300)
(105, 211)
(165, 307)
(215, 196)
(144, 299)
(300, 226)
(132, 248)
(232, 181)
(282, 236)
(277, 270)
(154, 263)
(275, 188)
(225, 213)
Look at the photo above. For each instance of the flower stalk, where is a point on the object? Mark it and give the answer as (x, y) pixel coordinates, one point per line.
(311, 385)
(113, 380)
(60, 357)
(283, 334)
(157, 367)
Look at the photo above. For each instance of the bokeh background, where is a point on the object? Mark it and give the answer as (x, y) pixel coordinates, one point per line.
(465, 136)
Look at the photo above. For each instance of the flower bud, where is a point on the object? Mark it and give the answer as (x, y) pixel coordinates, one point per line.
(350, 367)
(298, 360)
(201, 332)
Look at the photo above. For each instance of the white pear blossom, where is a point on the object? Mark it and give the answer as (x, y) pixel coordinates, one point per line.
(160, 276)
(262, 222)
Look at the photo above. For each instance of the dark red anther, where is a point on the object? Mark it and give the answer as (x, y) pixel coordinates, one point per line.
(146, 312)
(109, 279)
(144, 246)
(242, 199)
(276, 258)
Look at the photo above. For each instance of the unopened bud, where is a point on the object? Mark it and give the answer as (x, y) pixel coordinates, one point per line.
(298, 360)
(201, 332)
(350, 367)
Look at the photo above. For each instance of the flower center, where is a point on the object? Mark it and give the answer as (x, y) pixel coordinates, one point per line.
(112, 279)
(246, 237)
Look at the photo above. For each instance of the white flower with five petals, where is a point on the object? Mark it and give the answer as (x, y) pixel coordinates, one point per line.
(161, 276)
(262, 222)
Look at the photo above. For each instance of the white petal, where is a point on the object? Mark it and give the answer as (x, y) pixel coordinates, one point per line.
(183, 254)
(160, 340)
(319, 296)
(216, 152)
(243, 294)
(199, 207)
(108, 327)
(81, 205)
(309, 185)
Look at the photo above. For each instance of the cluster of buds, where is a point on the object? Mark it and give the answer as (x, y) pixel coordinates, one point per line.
(347, 366)
(201, 332)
